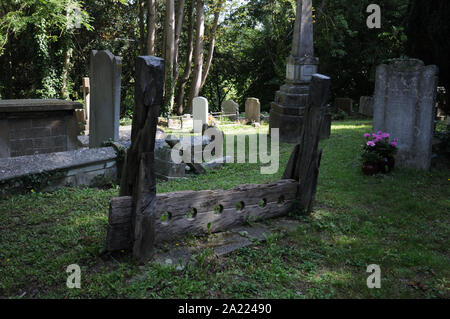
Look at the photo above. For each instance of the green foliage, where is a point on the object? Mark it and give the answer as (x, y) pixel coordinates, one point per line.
(443, 147)
(35, 38)
(254, 41)
(28, 183)
(339, 115)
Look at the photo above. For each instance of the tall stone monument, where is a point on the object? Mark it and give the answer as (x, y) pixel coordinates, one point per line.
(105, 78)
(288, 109)
(404, 106)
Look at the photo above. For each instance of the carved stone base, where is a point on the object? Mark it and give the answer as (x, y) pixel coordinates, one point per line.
(287, 111)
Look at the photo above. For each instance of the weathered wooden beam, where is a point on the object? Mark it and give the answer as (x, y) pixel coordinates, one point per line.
(304, 162)
(138, 177)
(198, 212)
(119, 234)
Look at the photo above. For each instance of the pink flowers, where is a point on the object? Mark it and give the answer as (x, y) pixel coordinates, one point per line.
(374, 138)
(378, 153)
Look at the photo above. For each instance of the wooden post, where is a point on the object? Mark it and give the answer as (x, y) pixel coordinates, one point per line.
(138, 176)
(304, 162)
(85, 88)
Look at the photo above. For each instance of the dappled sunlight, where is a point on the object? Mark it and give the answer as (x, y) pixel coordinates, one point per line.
(344, 240)
(340, 127)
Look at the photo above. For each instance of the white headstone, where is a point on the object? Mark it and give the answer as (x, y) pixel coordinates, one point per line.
(199, 113)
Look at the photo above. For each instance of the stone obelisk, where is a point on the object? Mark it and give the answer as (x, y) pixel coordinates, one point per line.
(287, 110)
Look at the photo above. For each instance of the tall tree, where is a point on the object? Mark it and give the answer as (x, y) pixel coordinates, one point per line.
(178, 29)
(198, 53)
(141, 4)
(188, 63)
(169, 36)
(212, 42)
(151, 29)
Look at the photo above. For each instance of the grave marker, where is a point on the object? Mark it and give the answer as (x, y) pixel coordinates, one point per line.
(199, 113)
(404, 106)
(231, 107)
(252, 110)
(105, 77)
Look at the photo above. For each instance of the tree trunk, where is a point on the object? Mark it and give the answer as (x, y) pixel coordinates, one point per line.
(67, 56)
(178, 29)
(198, 53)
(151, 35)
(141, 4)
(188, 66)
(212, 43)
(169, 32)
(65, 73)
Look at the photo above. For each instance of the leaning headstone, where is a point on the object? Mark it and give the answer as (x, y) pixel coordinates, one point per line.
(252, 110)
(404, 106)
(344, 104)
(231, 107)
(105, 72)
(199, 113)
(366, 105)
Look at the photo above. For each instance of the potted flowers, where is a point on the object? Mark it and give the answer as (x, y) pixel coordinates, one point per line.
(378, 153)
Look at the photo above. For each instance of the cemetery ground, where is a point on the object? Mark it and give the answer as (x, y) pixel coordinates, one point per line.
(398, 221)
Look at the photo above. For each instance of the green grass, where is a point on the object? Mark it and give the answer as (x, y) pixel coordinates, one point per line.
(398, 221)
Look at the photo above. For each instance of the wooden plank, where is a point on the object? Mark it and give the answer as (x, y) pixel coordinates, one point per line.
(215, 210)
(119, 232)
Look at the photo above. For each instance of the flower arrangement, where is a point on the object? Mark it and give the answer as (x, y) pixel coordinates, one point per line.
(378, 153)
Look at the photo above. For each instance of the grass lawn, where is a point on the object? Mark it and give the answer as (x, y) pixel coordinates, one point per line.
(399, 221)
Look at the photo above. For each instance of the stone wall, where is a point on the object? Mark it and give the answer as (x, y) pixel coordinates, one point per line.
(37, 136)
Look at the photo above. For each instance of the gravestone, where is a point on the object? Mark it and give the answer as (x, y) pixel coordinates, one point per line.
(287, 112)
(231, 107)
(105, 73)
(252, 110)
(199, 113)
(404, 106)
(344, 104)
(366, 105)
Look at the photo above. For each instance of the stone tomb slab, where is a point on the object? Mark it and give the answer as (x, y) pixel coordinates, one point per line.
(37, 126)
